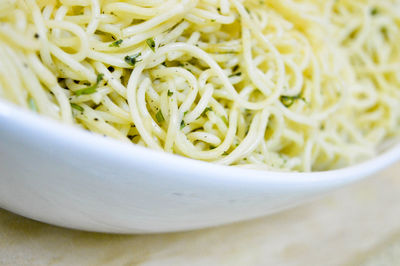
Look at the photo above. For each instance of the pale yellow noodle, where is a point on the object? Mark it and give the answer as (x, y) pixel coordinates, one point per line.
(292, 85)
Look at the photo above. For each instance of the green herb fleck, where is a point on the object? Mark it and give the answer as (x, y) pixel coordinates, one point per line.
(77, 107)
(170, 93)
(288, 101)
(225, 120)
(32, 104)
(151, 43)
(92, 89)
(185, 113)
(131, 137)
(159, 116)
(374, 11)
(207, 109)
(132, 59)
(117, 43)
(384, 32)
(235, 74)
(182, 124)
(99, 78)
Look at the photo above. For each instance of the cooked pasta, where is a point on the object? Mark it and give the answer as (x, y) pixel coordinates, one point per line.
(292, 85)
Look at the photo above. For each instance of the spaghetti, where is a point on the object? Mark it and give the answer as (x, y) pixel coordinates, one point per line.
(279, 85)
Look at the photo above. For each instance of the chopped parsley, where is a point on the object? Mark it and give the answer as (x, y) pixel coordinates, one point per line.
(235, 75)
(182, 124)
(32, 104)
(132, 59)
(159, 116)
(288, 101)
(207, 109)
(117, 43)
(225, 120)
(151, 43)
(86, 91)
(170, 93)
(131, 137)
(374, 11)
(92, 89)
(99, 78)
(77, 107)
(384, 32)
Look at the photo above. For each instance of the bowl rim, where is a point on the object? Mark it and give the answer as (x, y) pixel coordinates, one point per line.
(12, 115)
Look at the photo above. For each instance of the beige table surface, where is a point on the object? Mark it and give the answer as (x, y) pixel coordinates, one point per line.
(357, 225)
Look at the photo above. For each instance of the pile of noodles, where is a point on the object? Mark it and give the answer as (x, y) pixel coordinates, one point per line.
(294, 85)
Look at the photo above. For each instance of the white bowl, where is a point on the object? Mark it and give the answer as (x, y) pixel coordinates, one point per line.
(69, 177)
